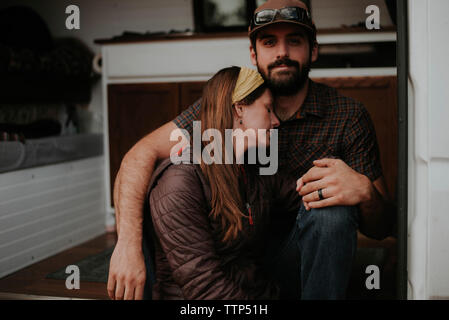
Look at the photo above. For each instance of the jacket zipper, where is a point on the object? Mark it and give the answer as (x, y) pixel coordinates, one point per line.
(248, 206)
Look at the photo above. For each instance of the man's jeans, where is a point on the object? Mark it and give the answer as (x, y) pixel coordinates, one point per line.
(315, 260)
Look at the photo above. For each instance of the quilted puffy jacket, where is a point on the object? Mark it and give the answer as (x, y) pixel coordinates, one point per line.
(191, 261)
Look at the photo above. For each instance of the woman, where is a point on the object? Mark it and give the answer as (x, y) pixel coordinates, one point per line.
(211, 221)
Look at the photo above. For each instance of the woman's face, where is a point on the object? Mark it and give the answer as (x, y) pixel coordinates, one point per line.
(258, 115)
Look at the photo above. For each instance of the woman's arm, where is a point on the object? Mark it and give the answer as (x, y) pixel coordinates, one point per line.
(181, 223)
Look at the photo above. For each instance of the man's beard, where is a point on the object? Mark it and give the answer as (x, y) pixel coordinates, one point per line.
(290, 82)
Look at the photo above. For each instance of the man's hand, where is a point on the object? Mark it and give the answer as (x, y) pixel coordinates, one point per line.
(339, 184)
(342, 186)
(127, 272)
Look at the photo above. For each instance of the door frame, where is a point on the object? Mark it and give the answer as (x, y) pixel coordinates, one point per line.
(402, 58)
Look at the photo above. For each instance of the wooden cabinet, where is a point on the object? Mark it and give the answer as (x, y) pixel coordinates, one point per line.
(134, 110)
(189, 93)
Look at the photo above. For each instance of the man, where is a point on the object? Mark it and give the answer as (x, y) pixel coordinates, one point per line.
(325, 139)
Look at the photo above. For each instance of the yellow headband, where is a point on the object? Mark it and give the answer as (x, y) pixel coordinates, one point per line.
(248, 81)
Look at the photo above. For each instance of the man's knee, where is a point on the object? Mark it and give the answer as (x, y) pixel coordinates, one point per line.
(334, 220)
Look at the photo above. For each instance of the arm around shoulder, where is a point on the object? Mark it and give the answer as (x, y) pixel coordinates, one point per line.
(134, 175)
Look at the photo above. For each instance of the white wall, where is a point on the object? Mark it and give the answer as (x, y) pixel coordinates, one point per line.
(107, 18)
(47, 209)
(428, 251)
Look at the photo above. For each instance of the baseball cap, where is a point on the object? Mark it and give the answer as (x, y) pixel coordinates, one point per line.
(285, 11)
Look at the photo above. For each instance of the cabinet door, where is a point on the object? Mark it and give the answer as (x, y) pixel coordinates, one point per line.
(189, 93)
(134, 110)
(379, 96)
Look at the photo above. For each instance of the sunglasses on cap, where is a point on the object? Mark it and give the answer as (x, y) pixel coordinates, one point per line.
(288, 13)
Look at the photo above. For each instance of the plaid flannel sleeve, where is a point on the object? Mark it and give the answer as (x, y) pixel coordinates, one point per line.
(186, 118)
(362, 150)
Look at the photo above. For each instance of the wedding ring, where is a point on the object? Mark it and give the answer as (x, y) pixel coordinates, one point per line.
(320, 194)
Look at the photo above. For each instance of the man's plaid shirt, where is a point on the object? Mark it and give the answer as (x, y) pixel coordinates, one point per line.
(327, 125)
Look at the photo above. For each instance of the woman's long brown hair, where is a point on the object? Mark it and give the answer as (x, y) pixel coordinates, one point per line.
(217, 112)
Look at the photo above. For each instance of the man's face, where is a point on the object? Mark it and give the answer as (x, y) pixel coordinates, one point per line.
(283, 57)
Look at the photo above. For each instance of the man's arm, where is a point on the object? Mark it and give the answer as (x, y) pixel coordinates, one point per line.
(127, 268)
(134, 175)
(341, 185)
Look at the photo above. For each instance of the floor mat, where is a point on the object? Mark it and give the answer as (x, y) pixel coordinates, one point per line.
(94, 268)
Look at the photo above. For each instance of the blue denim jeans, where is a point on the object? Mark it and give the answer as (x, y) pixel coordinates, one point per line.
(315, 260)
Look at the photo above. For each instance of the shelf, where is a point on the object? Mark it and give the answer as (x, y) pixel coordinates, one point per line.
(135, 38)
(353, 72)
(355, 36)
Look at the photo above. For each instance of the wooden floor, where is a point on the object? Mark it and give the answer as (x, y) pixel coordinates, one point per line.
(30, 283)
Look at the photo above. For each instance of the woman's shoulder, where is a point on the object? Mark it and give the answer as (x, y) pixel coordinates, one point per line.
(176, 179)
(178, 191)
(174, 174)
(180, 170)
